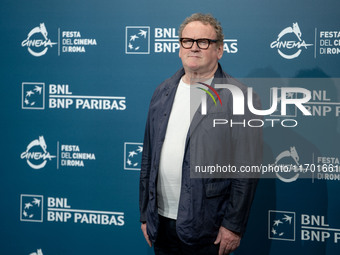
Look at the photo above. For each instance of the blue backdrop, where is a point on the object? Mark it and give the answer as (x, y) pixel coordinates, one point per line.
(76, 81)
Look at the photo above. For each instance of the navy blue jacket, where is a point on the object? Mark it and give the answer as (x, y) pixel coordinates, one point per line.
(205, 203)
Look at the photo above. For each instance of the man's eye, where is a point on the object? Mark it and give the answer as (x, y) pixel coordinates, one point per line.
(203, 42)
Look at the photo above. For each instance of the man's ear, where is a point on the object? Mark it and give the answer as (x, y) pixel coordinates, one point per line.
(220, 51)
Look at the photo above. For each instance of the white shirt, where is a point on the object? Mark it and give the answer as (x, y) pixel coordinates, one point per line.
(187, 99)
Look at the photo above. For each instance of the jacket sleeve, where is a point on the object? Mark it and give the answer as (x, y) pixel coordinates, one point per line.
(247, 151)
(145, 171)
(146, 163)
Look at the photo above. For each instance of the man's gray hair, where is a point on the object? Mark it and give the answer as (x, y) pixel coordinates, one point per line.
(206, 19)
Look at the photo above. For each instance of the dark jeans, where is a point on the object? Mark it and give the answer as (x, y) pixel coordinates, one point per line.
(168, 242)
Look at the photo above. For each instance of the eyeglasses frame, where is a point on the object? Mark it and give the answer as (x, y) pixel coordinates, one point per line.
(193, 42)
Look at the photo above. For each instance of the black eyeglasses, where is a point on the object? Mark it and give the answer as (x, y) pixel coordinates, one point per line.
(202, 43)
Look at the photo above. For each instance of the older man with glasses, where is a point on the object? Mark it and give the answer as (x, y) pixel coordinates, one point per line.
(180, 214)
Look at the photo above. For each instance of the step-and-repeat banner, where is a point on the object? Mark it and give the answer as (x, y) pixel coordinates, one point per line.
(77, 78)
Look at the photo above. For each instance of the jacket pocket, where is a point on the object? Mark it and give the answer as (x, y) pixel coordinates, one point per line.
(215, 189)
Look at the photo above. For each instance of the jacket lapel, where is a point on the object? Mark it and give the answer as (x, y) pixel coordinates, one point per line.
(198, 117)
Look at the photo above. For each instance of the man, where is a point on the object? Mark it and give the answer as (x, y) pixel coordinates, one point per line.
(180, 214)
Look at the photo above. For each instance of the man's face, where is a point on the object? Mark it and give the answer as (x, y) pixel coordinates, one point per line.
(195, 59)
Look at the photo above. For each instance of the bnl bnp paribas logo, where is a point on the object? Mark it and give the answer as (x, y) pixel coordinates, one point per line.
(58, 210)
(132, 155)
(33, 95)
(289, 42)
(281, 225)
(292, 226)
(60, 96)
(138, 40)
(31, 208)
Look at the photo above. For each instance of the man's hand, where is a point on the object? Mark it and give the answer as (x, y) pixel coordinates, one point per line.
(228, 241)
(143, 227)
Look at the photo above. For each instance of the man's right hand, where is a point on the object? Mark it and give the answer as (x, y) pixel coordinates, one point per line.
(143, 227)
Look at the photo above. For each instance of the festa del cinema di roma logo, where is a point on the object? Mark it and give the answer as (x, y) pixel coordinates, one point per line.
(36, 153)
(68, 155)
(289, 48)
(37, 42)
